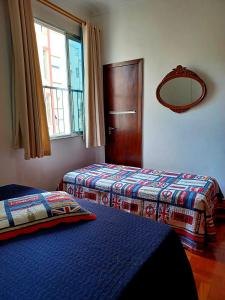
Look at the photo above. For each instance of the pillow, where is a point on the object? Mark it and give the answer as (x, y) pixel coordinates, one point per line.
(30, 213)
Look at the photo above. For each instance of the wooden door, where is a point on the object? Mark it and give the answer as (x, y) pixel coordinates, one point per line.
(123, 87)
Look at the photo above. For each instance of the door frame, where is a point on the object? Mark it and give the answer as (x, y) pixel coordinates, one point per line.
(140, 83)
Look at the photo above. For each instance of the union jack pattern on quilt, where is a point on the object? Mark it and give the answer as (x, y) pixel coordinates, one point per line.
(184, 201)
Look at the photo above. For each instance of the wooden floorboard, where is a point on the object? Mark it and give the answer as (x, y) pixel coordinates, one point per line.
(209, 269)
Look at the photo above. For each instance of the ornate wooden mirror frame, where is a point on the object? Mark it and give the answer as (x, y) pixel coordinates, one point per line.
(178, 72)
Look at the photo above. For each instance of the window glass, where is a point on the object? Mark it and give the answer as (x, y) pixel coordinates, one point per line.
(76, 83)
(62, 79)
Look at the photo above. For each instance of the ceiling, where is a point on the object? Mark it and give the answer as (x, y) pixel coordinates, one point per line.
(95, 7)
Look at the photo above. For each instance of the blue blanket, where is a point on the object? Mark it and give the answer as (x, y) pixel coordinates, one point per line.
(15, 190)
(118, 256)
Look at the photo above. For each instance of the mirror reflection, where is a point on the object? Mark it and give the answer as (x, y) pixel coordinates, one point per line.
(181, 91)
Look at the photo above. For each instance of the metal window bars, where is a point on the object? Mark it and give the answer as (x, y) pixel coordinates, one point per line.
(64, 108)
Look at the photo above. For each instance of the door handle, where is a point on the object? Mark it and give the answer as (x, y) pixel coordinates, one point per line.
(112, 112)
(110, 129)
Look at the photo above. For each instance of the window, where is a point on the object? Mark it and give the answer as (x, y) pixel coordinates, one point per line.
(61, 63)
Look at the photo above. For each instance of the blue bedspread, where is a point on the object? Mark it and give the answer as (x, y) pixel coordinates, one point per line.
(118, 256)
(15, 190)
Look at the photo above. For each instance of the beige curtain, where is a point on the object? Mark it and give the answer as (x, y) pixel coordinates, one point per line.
(30, 128)
(93, 82)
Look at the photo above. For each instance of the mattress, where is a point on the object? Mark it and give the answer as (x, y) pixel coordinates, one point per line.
(187, 202)
(118, 256)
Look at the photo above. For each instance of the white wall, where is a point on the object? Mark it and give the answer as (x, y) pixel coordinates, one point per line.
(166, 34)
(67, 154)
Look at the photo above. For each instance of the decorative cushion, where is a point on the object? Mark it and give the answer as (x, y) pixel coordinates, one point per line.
(30, 213)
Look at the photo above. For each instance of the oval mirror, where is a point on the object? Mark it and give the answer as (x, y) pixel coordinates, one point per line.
(181, 89)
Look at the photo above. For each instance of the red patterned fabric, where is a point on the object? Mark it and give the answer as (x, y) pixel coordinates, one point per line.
(187, 202)
(30, 213)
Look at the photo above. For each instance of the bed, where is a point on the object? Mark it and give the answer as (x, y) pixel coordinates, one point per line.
(117, 256)
(186, 202)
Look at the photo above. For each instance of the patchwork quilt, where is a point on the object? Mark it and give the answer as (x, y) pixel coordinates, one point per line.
(186, 202)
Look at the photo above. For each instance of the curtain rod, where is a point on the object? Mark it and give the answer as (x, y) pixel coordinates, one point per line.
(62, 11)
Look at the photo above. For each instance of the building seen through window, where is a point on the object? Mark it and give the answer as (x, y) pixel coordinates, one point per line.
(61, 64)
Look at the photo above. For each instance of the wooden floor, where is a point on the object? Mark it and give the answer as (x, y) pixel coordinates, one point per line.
(209, 270)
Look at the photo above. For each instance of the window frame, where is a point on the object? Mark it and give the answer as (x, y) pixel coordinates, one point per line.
(72, 36)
